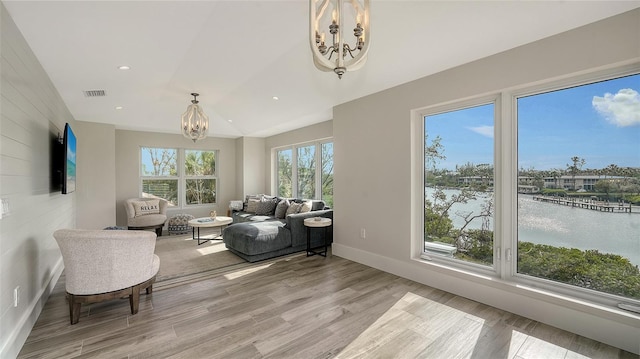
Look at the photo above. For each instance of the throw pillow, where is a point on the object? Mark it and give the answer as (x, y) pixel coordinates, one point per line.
(281, 209)
(294, 208)
(143, 208)
(266, 207)
(306, 207)
(250, 197)
(252, 206)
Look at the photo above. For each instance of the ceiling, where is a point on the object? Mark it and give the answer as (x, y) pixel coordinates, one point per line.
(239, 54)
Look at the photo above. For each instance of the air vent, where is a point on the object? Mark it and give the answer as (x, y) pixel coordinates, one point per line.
(94, 93)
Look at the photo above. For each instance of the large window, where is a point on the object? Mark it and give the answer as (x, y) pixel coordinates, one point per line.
(327, 173)
(182, 177)
(567, 180)
(200, 177)
(458, 205)
(159, 173)
(579, 180)
(284, 173)
(306, 170)
(298, 175)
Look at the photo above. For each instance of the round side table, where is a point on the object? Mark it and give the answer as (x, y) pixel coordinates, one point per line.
(317, 222)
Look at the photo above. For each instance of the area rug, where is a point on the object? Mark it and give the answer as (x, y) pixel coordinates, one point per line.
(181, 256)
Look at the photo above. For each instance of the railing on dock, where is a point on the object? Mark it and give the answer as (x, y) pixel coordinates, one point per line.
(603, 206)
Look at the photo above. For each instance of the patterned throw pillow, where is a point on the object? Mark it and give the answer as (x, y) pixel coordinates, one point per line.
(281, 209)
(266, 207)
(143, 208)
(294, 208)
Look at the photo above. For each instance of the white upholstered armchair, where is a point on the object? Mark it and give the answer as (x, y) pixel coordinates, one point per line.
(146, 213)
(106, 264)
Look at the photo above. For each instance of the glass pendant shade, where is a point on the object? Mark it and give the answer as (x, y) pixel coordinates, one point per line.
(195, 124)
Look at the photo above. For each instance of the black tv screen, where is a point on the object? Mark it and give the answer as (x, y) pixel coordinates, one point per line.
(69, 172)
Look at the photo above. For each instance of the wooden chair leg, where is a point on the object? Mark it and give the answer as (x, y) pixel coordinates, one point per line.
(74, 310)
(134, 299)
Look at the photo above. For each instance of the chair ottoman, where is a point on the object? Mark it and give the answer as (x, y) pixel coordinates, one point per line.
(257, 241)
(179, 224)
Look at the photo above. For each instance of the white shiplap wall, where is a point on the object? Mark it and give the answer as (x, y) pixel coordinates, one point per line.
(31, 109)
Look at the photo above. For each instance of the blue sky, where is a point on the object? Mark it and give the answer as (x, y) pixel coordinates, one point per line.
(599, 123)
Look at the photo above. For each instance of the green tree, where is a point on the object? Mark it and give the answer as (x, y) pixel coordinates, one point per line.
(604, 186)
(285, 173)
(575, 168)
(307, 172)
(200, 164)
(327, 173)
(163, 162)
(604, 272)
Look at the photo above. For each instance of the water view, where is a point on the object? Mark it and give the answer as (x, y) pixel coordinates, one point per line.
(563, 226)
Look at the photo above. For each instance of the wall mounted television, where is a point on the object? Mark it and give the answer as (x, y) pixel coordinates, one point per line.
(69, 170)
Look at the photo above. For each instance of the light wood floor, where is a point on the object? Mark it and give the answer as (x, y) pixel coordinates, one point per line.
(300, 307)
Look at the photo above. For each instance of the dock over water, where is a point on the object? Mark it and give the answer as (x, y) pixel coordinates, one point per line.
(603, 206)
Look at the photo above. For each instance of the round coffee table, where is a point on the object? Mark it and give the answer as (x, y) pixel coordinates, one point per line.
(208, 222)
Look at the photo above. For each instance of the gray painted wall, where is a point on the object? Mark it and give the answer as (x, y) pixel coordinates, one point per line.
(380, 126)
(250, 166)
(31, 112)
(96, 197)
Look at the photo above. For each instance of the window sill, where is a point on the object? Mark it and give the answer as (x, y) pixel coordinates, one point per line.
(590, 307)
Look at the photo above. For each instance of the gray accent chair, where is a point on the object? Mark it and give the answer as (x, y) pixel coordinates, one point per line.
(103, 265)
(147, 221)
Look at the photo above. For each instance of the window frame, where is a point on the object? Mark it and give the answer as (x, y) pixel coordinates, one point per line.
(294, 166)
(421, 114)
(143, 177)
(506, 180)
(512, 270)
(186, 177)
(181, 176)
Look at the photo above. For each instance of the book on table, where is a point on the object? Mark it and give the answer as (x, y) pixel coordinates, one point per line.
(204, 220)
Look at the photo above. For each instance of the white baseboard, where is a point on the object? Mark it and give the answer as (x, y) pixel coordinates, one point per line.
(11, 348)
(607, 325)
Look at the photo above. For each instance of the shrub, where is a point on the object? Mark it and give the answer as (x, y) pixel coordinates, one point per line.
(609, 273)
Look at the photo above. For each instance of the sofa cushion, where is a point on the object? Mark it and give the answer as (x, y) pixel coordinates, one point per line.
(317, 205)
(294, 208)
(251, 198)
(252, 206)
(266, 207)
(306, 207)
(256, 238)
(281, 209)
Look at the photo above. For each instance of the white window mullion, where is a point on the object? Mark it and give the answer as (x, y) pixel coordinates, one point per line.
(318, 176)
(506, 204)
(294, 172)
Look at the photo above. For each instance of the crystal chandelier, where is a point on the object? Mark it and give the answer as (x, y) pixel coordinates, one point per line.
(195, 124)
(334, 16)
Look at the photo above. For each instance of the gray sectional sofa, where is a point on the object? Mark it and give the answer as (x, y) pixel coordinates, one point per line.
(263, 235)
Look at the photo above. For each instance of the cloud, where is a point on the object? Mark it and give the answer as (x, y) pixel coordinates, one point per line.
(486, 131)
(621, 109)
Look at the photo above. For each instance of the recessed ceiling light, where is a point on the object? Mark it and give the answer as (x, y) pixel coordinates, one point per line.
(119, 107)
(124, 67)
(276, 98)
(229, 121)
